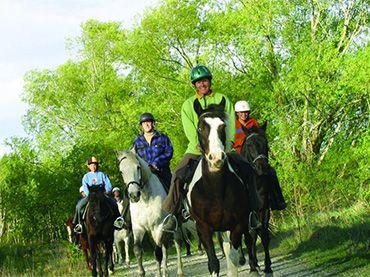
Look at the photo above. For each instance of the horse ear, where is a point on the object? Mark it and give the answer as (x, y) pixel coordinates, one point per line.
(223, 103)
(264, 126)
(197, 107)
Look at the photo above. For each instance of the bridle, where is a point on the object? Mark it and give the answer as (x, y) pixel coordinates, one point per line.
(140, 183)
(259, 156)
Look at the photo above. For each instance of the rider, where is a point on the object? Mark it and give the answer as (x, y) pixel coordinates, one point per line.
(242, 111)
(201, 78)
(123, 206)
(243, 120)
(94, 178)
(155, 148)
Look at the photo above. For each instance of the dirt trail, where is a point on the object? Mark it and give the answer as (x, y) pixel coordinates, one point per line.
(196, 265)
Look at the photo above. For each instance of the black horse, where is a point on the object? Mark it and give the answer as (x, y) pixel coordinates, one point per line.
(217, 196)
(100, 230)
(255, 151)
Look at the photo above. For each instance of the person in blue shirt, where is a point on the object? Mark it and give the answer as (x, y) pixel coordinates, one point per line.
(155, 148)
(95, 178)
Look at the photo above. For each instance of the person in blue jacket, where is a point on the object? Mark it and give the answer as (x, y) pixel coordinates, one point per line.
(155, 148)
(95, 178)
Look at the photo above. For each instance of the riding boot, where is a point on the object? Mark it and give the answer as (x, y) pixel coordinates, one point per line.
(78, 228)
(277, 201)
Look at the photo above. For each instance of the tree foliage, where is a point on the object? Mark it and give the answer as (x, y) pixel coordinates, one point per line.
(302, 65)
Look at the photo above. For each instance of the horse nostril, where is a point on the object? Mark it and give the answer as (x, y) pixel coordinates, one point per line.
(211, 157)
(223, 156)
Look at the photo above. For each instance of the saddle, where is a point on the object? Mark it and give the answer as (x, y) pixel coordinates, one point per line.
(186, 173)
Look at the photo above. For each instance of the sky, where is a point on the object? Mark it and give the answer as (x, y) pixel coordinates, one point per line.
(33, 36)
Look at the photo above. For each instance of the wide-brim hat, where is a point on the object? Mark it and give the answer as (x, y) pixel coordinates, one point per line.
(92, 160)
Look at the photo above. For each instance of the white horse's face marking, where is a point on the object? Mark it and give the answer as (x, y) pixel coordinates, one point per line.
(130, 169)
(216, 149)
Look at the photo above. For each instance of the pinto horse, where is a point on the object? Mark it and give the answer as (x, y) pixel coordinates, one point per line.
(146, 194)
(217, 196)
(255, 151)
(99, 226)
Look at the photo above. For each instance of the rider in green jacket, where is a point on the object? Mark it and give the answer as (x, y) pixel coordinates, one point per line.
(201, 78)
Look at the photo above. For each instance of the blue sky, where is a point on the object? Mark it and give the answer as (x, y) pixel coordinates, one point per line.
(33, 36)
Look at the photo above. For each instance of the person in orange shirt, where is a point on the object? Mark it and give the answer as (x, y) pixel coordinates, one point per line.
(242, 110)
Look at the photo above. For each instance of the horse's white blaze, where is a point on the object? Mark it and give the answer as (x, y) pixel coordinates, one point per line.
(197, 175)
(216, 148)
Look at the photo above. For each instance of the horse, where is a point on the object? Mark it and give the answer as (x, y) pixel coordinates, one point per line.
(122, 240)
(83, 243)
(255, 151)
(217, 196)
(99, 226)
(146, 194)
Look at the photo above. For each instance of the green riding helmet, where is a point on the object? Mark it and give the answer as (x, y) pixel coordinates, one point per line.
(200, 72)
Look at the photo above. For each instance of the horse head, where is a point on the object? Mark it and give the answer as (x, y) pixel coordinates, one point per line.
(134, 173)
(97, 203)
(212, 133)
(255, 149)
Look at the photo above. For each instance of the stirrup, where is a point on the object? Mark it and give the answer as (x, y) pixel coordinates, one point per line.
(253, 215)
(119, 223)
(78, 229)
(185, 214)
(168, 222)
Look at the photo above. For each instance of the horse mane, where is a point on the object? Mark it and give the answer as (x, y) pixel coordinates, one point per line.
(146, 173)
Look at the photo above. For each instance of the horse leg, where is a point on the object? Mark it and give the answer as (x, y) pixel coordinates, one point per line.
(93, 256)
(158, 253)
(138, 250)
(232, 246)
(221, 242)
(265, 237)
(250, 241)
(108, 258)
(178, 242)
(100, 259)
(205, 235)
(242, 259)
(127, 244)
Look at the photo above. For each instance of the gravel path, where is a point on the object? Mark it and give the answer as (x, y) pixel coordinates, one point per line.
(196, 265)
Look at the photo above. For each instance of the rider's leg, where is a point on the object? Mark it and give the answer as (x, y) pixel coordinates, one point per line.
(277, 198)
(119, 221)
(79, 207)
(173, 203)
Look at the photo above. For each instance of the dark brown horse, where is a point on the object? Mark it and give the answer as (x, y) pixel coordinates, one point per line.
(82, 238)
(255, 151)
(217, 196)
(99, 226)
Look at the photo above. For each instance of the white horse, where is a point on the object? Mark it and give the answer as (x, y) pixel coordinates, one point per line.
(122, 240)
(146, 195)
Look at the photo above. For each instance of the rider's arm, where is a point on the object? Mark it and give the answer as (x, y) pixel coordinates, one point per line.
(164, 158)
(189, 123)
(107, 183)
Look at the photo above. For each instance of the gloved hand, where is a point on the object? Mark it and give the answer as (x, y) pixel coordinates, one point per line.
(154, 168)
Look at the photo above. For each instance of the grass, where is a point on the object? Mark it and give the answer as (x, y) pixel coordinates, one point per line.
(338, 243)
